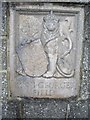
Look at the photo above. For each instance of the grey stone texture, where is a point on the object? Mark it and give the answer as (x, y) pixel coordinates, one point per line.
(48, 108)
(0, 62)
(44, 108)
(74, 1)
(11, 109)
(85, 58)
(79, 109)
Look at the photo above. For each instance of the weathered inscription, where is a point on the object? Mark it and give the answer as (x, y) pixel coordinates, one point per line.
(51, 85)
(44, 87)
(43, 92)
(48, 90)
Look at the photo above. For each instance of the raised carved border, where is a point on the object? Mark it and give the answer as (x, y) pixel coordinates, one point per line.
(17, 9)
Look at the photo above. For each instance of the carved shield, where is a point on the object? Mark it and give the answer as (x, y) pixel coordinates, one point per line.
(33, 59)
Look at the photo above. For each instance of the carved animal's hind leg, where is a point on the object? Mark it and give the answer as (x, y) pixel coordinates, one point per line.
(52, 58)
(52, 66)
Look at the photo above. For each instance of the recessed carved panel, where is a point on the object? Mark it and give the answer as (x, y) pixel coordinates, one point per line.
(45, 51)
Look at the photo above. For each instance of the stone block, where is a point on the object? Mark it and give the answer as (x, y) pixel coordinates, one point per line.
(45, 50)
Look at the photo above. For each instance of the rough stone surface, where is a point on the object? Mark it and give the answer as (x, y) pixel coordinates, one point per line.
(78, 109)
(85, 67)
(44, 108)
(74, 1)
(89, 60)
(11, 109)
(0, 61)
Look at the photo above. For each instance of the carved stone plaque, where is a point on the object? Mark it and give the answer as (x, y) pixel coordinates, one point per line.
(45, 50)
